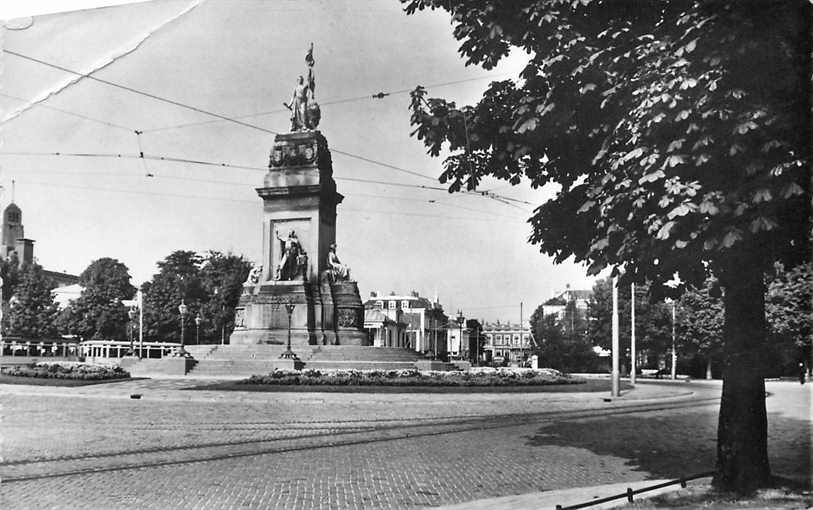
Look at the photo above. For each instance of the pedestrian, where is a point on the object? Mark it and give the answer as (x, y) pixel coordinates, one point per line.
(801, 372)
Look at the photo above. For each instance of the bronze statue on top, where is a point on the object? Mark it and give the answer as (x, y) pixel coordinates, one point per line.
(305, 112)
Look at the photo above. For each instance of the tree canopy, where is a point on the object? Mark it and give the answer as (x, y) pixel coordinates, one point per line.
(98, 311)
(209, 284)
(32, 312)
(669, 150)
(677, 134)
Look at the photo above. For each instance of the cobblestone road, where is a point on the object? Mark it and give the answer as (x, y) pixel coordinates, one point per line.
(93, 447)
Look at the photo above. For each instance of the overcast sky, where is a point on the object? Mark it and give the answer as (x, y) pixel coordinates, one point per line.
(240, 58)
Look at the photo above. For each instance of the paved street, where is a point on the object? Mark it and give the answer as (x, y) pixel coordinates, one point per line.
(94, 447)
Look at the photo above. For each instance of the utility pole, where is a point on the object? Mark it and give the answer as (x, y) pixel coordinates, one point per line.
(616, 382)
(140, 299)
(674, 349)
(632, 334)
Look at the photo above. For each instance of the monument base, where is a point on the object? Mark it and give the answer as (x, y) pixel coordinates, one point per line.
(321, 314)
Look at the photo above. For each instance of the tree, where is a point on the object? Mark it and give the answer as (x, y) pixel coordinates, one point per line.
(788, 306)
(209, 284)
(678, 135)
(32, 312)
(178, 279)
(653, 320)
(476, 340)
(700, 323)
(98, 311)
(222, 276)
(557, 348)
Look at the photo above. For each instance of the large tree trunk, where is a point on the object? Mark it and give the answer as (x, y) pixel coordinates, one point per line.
(708, 368)
(742, 433)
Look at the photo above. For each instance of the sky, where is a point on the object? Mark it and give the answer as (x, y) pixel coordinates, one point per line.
(240, 59)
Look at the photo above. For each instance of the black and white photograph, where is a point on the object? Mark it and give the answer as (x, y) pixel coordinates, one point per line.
(406, 254)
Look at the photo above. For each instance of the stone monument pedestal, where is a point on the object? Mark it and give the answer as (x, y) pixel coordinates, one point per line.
(299, 226)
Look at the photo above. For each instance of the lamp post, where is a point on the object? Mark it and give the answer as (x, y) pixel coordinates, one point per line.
(198, 320)
(289, 308)
(131, 313)
(460, 321)
(183, 310)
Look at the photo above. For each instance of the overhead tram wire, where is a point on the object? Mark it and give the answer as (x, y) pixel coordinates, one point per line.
(227, 199)
(170, 159)
(68, 112)
(205, 112)
(379, 95)
(223, 117)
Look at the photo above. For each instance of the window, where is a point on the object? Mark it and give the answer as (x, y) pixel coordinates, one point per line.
(404, 304)
(379, 305)
(13, 217)
(391, 305)
(499, 338)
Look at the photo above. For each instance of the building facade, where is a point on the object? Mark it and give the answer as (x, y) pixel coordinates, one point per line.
(423, 319)
(507, 341)
(579, 300)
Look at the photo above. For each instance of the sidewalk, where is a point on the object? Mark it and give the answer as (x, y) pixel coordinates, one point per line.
(566, 497)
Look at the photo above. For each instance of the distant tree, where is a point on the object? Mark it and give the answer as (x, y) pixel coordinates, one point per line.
(32, 312)
(788, 308)
(700, 322)
(178, 279)
(653, 320)
(98, 312)
(10, 272)
(678, 135)
(476, 339)
(558, 349)
(222, 277)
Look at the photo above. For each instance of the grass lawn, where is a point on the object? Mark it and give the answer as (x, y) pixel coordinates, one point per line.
(589, 385)
(786, 496)
(41, 381)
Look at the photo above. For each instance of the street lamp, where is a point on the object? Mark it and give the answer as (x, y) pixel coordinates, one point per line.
(183, 310)
(131, 313)
(197, 328)
(289, 308)
(460, 321)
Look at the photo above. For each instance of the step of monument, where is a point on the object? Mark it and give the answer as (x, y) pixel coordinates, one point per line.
(358, 365)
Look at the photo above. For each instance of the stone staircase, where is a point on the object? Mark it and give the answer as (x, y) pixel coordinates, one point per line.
(238, 361)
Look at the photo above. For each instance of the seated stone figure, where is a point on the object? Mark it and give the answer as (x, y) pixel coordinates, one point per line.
(255, 274)
(336, 271)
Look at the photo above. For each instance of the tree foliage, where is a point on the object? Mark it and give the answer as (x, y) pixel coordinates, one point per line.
(32, 313)
(98, 312)
(653, 320)
(677, 133)
(558, 347)
(669, 149)
(193, 278)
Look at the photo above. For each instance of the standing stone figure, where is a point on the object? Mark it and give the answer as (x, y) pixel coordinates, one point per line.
(290, 262)
(305, 113)
(336, 270)
(299, 105)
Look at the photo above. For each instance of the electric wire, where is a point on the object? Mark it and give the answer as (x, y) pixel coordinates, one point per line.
(227, 199)
(236, 121)
(324, 103)
(205, 112)
(68, 112)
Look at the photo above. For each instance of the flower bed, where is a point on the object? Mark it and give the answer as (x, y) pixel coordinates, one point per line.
(68, 370)
(412, 377)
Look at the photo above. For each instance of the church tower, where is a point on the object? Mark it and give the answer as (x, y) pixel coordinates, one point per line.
(13, 236)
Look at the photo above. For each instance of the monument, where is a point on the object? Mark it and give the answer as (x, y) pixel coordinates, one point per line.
(300, 290)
